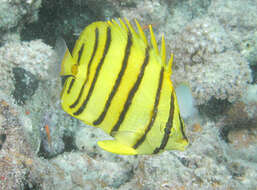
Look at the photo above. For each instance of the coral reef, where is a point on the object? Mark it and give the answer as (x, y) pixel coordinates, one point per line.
(243, 138)
(241, 115)
(20, 168)
(16, 153)
(77, 170)
(239, 129)
(14, 15)
(44, 110)
(214, 46)
(240, 25)
(206, 165)
(198, 40)
(25, 84)
(208, 162)
(203, 47)
(67, 19)
(204, 59)
(35, 57)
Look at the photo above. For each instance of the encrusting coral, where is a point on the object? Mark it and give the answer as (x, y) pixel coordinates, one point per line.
(34, 56)
(16, 154)
(213, 46)
(14, 15)
(205, 60)
(205, 56)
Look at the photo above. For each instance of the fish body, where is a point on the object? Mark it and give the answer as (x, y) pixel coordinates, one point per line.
(116, 80)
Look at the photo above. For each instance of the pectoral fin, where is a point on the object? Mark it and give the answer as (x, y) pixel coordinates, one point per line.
(68, 64)
(116, 147)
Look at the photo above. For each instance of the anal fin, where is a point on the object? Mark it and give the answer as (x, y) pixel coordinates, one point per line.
(116, 147)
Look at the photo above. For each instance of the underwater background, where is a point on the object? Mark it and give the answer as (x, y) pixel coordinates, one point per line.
(214, 43)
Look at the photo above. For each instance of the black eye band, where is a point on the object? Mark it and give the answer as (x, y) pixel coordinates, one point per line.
(64, 78)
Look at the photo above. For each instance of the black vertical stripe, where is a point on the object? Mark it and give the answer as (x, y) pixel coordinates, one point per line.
(106, 48)
(80, 53)
(88, 69)
(182, 127)
(117, 82)
(70, 86)
(64, 83)
(131, 93)
(168, 127)
(155, 110)
(78, 62)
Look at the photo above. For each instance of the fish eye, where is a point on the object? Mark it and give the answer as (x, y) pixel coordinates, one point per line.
(74, 69)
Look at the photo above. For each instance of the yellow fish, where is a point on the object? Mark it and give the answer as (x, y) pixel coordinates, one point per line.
(117, 81)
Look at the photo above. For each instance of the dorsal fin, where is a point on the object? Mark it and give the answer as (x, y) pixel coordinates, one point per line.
(163, 50)
(153, 40)
(115, 22)
(130, 27)
(123, 24)
(110, 23)
(169, 66)
(141, 32)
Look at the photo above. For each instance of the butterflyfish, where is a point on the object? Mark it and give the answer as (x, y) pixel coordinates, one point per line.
(117, 80)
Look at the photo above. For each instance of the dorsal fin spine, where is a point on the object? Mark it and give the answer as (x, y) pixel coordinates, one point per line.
(153, 40)
(169, 66)
(162, 53)
(115, 23)
(163, 50)
(123, 24)
(130, 27)
(141, 32)
(110, 23)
